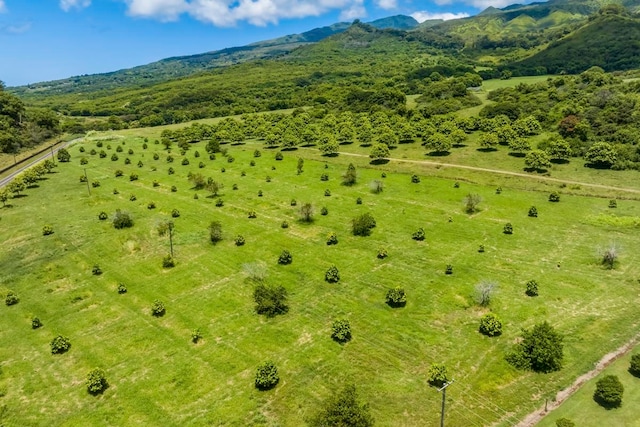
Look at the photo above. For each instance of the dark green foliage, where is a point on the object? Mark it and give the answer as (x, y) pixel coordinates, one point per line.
(306, 212)
(341, 331)
(252, 214)
(156, 183)
(151, 205)
(285, 258)
(327, 193)
(332, 275)
(343, 409)
(324, 211)
(540, 350)
(634, 366)
(279, 156)
(396, 297)
(171, 171)
(332, 238)
(156, 156)
(122, 288)
(490, 325)
(47, 230)
(219, 203)
(118, 173)
(36, 323)
(266, 376)
(168, 262)
(96, 270)
(174, 189)
(115, 158)
(565, 422)
(239, 240)
(601, 155)
(363, 224)
(63, 155)
(554, 196)
(133, 177)
(532, 288)
(613, 204)
(132, 197)
(324, 177)
(11, 298)
(185, 162)
(103, 154)
(284, 224)
(60, 344)
(415, 179)
(533, 212)
(270, 300)
(293, 202)
(481, 248)
(437, 376)
(127, 161)
(97, 381)
(448, 269)
(382, 253)
(215, 231)
(418, 234)
(610, 257)
(471, 202)
(95, 184)
(508, 228)
(350, 176)
(158, 309)
(609, 392)
(359, 201)
(196, 336)
(122, 219)
(84, 161)
(119, 149)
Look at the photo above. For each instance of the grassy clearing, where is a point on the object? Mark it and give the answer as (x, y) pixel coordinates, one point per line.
(158, 376)
(584, 411)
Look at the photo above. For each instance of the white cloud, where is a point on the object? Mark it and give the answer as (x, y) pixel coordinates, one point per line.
(226, 13)
(387, 4)
(423, 15)
(67, 5)
(16, 29)
(3, 8)
(481, 4)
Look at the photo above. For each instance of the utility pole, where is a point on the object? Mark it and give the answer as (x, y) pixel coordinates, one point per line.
(87, 181)
(53, 159)
(443, 389)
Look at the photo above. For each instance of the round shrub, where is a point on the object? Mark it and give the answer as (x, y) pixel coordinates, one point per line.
(201, 165)
(145, 146)
(156, 156)
(133, 198)
(122, 288)
(133, 177)
(219, 203)
(332, 275)
(123, 219)
(324, 177)
(341, 330)
(47, 230)
(293, 202)
(481, 248)
(279, 156)
(437, 375)
(490, 325)
(119, 149)
(36, 323)
(532, 288)
(83, 178)
(102, 216)
(634, 366)
(359, 201)
(169, 159)
(448, 269)
(257, 153)
(613, 204)
(11, 298)
(93, 152)
(95, 184)
(332, 238)
(115, 191)
(96, 381)
(151, 205)
(168, 262)
(285, 258)
(60, 344)
(508, 228)
(81, 149)
(230, 159)
(175, 213)
(157, 308)
(196, 335)
(252, 163)
(96, 270)
(565, 422)
(327, 193)
(185, 161)
(156, 183)
(533, 212)
(363, 224)
(114, 157)
(418, 234)
(415, 179)
(259, 193)
(396, 297)
(284, 224)
(174, 189)
(266, 376)
(324, 211)
(103, 154)
(382, 253)
(84, 161)
(252, 214)
(171, 171)
(609, 392)
(127, 161)
(554, 197)
(239, 240)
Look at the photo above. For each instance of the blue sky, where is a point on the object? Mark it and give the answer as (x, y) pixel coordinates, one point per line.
(44, 40)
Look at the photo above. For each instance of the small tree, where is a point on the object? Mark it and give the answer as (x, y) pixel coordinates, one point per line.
(609, 392)
(532, 288)
(490, 325)
(350, 176)
(508, 228)
(306, 212)
(471, 202)
(166, 228)
(63, 155)
(485, 291)
(215, 232)
(363, 224)
(196, 335)
(634, 366)
(332, 238)
(270, 300)
(96, 381)
(437, 375)
(343, 409)
(541, 350)
(285, 258)
(396, 297)
(533, 212)
(537, 160)
(11, 298)
(122, 288)
(60, 344)
(266, 376)
(418, 234)
(341, 331)
(610, 257)
(122, 220)
(379, 152)
(157, 308)
(601, 155)
(377, 186)
(565, 422)
(332, 275)
(554, 196)
(36, 323)
(168, 261)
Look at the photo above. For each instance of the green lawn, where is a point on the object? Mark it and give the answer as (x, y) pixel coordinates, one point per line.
(158, 376)
(585, 412)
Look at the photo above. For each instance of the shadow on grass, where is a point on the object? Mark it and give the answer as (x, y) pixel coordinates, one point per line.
(540, 171)
(366, 144)
(346, 143)
(634, 373)
(519, 155)
(459, 145)
(308, 145)
(559, 161)
(237, 143)
(486, 149)
(407, 141)
(289, 149)
(438, 154)
(379, 162)
(330, 155)
(607, 405)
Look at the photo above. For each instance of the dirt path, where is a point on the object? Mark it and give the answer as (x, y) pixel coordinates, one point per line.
(536, 416)
(503, 172)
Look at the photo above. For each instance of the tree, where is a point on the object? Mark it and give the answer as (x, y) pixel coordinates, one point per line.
(328, 145)
(285, 258)
(490, 325)
(266, 376)
(541, 350)
(63, 155)
(379, 152)
(350, 176)
(16, 186)
(396, 297)
(4, 196)
(609, 392)
(11, 298)
(471, 202)
(387, 137)
(270, 300)
(438, 143)
(488, 141)
(558, 150)
(634, 366)
(343, 409)
(341, 331)
(122, 220)
(610, 256)
(601, 155)
(164, 228)
(213, 187)
(437, 376)
(306, 212)
(519, 145)
(96, 381)
(215, 231)
(484, 292)
(363, 224)
(60, 344)
(332, 275)
(537, 160)
(157, 308)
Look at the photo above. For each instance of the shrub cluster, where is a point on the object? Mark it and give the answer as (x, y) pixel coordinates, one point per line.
(266, 376)
(60, 344)
(122, 219)
(490, 325)
(437, 375)
(96, 381)
(341, 330)
(11, 298)
(285, 258)
(363, 224)
(332, 275)
(157, 308)
(396, 297)
(270, 300)
(609, 392)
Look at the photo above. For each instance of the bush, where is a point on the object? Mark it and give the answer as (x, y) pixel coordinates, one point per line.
(252, 214)
(270, 300)
(609, 392)
(532, 288)
(471, 202)
(332, 238)
(332, 275)
(481, 248)
(119, 149)
(122, 219)
(11, 298)
(324, 211)
(151, 205)
(219, 203)
(293, 202)
(127, 161)
(540, 350)
(359, 201)
(239, 240)
(285, 258)
(554, 197)
(174, 189)
(324, 177)
(609, 257)
(97, 381)
(156, 156)
(377, 186)
(196, 336)
(157, 308)
(484, 292)
(279, 156)
(533, 212)
(140, 164)
(170, 159)
(508, 228)
(36, 323)
(171, 171)
(83, 178)
(96, 270)
(448, 269)
(363, 224)
(95, 184)
(133, 198)
(168, 262)
(122, 288)
(118, 173)
(382, 253)
(613, 204)
(266, 376)
(490, 325)
(343, 409)
(84, 161)
(327, 193)
(259, 193)
(396, 297)
(60, 344)
(284, 224)
(306, 212)
(437, 375)
(418, 234)
(257, 153)
(564, 422)
(341, 330)
(103, 154)
(102, 216)
(156, 183)
(47, 230)
(63, 155)
(634, 366)
(415, 179)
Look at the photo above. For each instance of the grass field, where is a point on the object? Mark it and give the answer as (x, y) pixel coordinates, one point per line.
(158, 376)
(584, 411)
